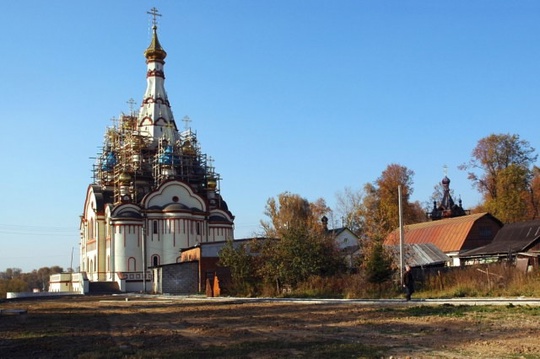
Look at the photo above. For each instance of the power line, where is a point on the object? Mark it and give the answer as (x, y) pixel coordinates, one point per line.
(22, 233)
(35, 227)
(12, 229)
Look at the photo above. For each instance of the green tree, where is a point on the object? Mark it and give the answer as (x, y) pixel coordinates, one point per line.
(304, 247)
(242, 265)
(378, 264)
(14, 280)
(299, 255)
(13, 285)
(39, 278)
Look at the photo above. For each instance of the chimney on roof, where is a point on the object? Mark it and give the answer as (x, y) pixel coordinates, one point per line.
(324, 221)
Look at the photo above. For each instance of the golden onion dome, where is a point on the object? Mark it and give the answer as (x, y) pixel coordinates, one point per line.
(155, 51)
(211, 183)
(124, 178)
(187, 148)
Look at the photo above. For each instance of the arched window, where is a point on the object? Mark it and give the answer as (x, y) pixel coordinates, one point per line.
(91, 229)
(132, 265)
(155, 260)
(155, 227)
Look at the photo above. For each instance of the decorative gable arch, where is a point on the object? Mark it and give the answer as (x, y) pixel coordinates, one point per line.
(146, 121)
(126, 211)
(220, 216)
(174, 192)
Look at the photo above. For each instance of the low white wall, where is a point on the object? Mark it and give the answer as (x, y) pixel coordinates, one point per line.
(15, 295)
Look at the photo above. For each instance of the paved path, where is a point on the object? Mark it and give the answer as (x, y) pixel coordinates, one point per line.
(416, 302)
(389, 302)
(450, 301)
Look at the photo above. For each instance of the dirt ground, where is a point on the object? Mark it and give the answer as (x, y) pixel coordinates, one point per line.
(152, 327)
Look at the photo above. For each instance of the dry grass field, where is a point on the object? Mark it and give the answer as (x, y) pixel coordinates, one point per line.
(152, 327)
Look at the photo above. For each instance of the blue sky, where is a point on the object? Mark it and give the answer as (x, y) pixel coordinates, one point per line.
(308, 97)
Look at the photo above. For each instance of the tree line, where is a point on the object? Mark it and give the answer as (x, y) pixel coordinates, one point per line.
(502, 168)
(14, 280)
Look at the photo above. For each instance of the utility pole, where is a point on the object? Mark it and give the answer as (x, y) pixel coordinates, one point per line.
(401, 235)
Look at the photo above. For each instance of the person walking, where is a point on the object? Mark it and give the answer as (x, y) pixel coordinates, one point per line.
(408, 282)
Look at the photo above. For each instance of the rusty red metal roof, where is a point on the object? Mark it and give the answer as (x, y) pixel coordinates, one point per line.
(449, 235)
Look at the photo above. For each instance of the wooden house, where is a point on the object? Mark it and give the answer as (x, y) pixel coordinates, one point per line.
(515, 242)
(452, 235)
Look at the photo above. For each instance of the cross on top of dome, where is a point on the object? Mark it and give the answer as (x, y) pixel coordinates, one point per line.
(154, 12)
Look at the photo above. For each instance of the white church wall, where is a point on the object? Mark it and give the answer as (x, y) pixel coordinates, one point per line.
(101, 255)
(133, 250)
(154, 241)
(169, 251)
(220, 233)
(127, 248)
(119, 250)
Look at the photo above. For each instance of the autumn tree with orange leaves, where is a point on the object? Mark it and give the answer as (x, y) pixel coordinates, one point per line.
(502, 169)
(374, 212)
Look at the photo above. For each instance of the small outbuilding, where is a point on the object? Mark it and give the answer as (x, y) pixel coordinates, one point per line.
(198, 271)
(425, 255)
(515, 242)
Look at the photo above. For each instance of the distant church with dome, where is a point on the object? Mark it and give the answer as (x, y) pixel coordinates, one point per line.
(154, 191)
(447, 208)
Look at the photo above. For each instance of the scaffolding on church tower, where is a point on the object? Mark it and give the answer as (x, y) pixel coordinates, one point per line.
(130, 166)
(143, 150)
(183, 160)
(121, 164)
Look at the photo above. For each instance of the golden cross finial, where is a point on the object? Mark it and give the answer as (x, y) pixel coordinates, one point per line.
(154, 12)
(445, 169)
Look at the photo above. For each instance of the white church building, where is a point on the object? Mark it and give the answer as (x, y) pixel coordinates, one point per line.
(154, 191)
